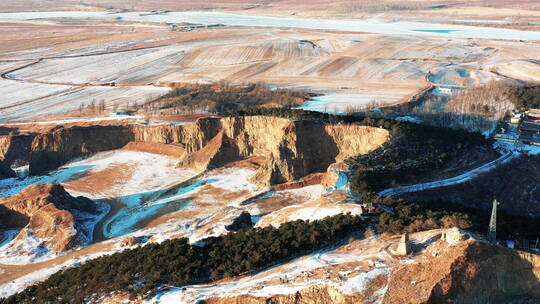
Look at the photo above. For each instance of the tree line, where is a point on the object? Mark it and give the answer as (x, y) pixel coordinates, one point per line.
(217, 98)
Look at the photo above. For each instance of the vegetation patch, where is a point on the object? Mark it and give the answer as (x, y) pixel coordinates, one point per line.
(202, 98)
(438, 213)
(178, 263)
(525, 97)
(514, 184)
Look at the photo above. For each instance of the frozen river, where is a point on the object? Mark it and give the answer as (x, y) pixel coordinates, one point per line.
(368, 26)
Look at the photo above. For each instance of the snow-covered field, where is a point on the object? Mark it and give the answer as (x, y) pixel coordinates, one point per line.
(16, 93)
(138, 66)
(352, 69)
(314, 207)
(77, 120)
(369, 26)
(72, 100)
(342, 102)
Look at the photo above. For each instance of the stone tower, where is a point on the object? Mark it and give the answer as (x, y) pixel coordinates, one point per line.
(404, 247)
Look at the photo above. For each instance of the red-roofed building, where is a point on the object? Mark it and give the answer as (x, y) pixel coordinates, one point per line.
(529, 128)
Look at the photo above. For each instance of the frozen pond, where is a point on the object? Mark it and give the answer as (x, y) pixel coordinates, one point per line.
(209, 18)
(340, 103)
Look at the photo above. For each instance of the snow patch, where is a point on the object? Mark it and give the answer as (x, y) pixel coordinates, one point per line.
(409, 119)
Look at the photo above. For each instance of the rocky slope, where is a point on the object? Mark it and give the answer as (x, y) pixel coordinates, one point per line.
(447, 270)
(58, 146)
(47, 219)
(443, 266)
(291, 149)
(14, 151)
(474, 272)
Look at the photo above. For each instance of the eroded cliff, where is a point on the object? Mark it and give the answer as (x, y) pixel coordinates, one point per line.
(291, 149)
(60, 145)
(14, 152)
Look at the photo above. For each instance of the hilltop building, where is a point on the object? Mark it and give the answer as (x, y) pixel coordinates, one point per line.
(529, 128)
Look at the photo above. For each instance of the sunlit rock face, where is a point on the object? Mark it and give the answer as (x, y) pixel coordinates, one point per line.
(291, 149)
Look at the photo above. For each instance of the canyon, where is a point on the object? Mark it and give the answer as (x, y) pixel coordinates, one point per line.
(283, 152)
(205, 175)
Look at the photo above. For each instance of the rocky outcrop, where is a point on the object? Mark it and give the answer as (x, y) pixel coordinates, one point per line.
(327, 179)
(473, 272)
(311, 295)
(14, 151)
(291, 149)
(155, 148)
(47, 214)
(55, 148)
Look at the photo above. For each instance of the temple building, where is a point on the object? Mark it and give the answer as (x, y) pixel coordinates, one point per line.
(529, 128)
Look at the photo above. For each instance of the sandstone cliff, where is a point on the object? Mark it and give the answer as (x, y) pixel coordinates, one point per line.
(60, 145)
(6, 171)
(475, 272)
(14, 150)
(291, 149)
(49, 216)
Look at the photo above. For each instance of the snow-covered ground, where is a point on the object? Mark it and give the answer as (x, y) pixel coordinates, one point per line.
(343, 102)
(137, 66)
(361, 267)
(72, 100)
(369, 26)
(144, 176)
(22, 282)
(33, 250)
(76, 120)
(284, 279)
(141, 206)
(15, 93)
(211, 202)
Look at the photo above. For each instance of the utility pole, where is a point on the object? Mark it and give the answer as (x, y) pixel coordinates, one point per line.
(492, 233)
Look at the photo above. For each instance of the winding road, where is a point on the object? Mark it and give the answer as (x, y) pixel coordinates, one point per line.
(449, 181)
